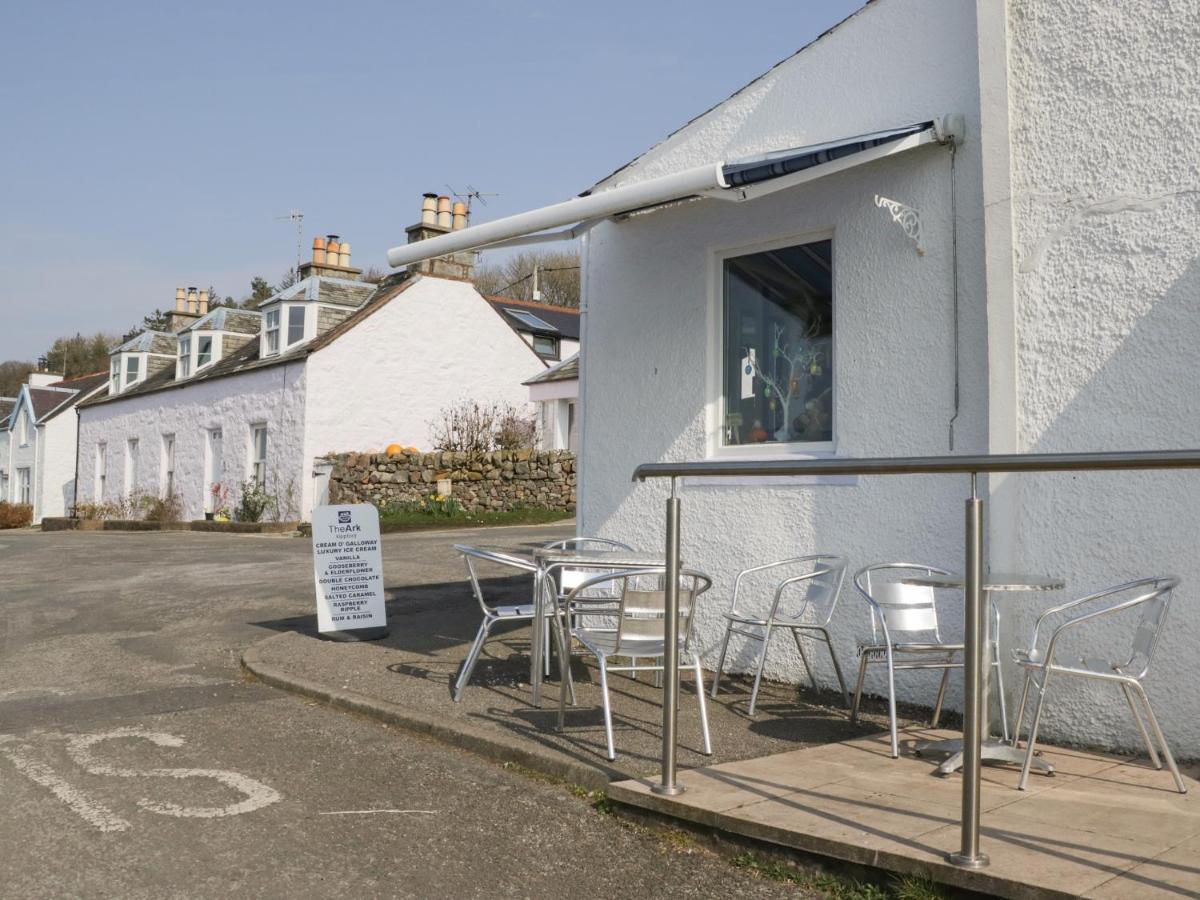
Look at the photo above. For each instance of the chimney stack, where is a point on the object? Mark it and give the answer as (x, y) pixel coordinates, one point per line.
(184, 313)
(445, 218)
(203, 310)
(429, 209)
(180, 300)
(439, 217)
(319, 251)
(191, 300)
(330, 258)
(460, 216)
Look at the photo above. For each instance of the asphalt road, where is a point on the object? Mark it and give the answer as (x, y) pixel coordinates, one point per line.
(136, 761)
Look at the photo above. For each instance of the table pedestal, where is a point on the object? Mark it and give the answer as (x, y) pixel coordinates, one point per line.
(991, 751)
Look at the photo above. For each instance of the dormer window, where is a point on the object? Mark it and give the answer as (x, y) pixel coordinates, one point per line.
(295, 325)
(185, 357)
(132, 369)
(204, 351)
(114, 375)
(272, 331)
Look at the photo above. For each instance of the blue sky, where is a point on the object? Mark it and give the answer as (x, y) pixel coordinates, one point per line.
(150, 145)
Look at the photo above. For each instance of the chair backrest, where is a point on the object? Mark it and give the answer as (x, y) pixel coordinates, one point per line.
(641, 598)
(586, 543)
(1154, 606)
(816, 592)
(472, 554)
(897, 608)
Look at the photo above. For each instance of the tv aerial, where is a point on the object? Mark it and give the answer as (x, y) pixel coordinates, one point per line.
(296, 216)
(472, 194)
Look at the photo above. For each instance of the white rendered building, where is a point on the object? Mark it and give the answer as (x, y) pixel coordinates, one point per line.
(329, 364)
(942, 227)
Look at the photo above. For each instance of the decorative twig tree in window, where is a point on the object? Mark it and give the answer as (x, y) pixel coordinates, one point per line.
(788, 375)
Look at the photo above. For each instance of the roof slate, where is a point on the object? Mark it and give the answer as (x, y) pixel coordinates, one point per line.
(567, 370)
(227, 318)
(149, 342)
(563, 318)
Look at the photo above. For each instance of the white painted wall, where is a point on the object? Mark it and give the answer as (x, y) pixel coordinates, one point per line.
(383, 381)
(1106, 195)
(25, 455)
(55, 490)
(274, 395)
(652, 299)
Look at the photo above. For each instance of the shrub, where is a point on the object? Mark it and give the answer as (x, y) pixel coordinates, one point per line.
(132, 507)
(15, 515)
(252, 502)
(162, 509)
(433, 505)
(473, 427)
(515, 431)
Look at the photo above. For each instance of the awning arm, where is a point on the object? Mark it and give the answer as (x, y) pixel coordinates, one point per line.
(548, 237)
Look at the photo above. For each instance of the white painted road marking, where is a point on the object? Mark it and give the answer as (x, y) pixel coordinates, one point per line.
(89, 810)
(257, 794)
(367, 812)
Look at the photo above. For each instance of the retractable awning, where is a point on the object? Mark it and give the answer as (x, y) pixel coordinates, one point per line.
(736, 181)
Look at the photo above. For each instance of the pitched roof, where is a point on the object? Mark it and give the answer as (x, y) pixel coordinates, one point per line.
(149, 342)
(323, 289)
(567, 370)
(563, 320)
(6, 407)
(54, 399)
(227, 318)
(246, 358)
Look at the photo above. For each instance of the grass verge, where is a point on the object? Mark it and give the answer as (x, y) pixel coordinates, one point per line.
(413, 520)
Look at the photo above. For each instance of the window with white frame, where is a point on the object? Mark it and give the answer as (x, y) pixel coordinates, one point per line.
(101, 469)
(204, 350)
(24, 428)
(168, 465)
(295, 325)
(777, 346)
(272, 331)
(24, 486)
(114, 375)
(185, 357)
(258, 455)
(132, 369)
(131, 465)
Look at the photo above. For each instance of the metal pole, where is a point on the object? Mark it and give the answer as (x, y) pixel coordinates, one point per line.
(973, 685)
(670, 651)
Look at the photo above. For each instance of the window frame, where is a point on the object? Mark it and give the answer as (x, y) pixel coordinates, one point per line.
(271, 330)
(168, 466)
(185, 356)
(292, 309)
(258, 465)
(131, 464)
(556, 344)
(114, 374)
(25, 485)
(716, 448)
(201, 361)
(132, 361)
(101, 469)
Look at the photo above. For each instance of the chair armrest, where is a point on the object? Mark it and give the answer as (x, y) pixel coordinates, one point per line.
(795, 579)
(498, 557)
(737, 582)
(1169, 582)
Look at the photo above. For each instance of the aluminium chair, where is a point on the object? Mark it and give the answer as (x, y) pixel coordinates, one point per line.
(818, 580)
(638, 631)
(494, 613)
(1151, 599)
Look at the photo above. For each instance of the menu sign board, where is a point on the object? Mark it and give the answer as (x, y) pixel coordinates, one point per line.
(349, 569)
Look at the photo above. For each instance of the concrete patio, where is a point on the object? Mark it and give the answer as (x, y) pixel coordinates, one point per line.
(1102, 827)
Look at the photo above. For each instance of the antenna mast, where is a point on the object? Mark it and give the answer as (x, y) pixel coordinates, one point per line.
(296, 216)
(472, 193)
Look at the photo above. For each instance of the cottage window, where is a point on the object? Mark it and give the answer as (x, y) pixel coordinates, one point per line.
(203, 351)
(24, 487)
(114, 374)
(185, 357)
(168, 464)
(545, 347)
(777, 355)
(131, 465)
(101, 470)
(273, 331)
(131, 369)
(25, 428)
(295, 324)
(258, 455)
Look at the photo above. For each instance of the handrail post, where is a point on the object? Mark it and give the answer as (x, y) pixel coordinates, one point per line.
(974, 675)
(670, 650)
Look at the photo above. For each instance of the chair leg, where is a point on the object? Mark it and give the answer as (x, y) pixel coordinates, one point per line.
(892, 705)
(608, 731)
(1151, 752)
(812, 677)
(703, 705)
(1016, 732)
(1033, 729)
(858, 689)
(937, 707)
(1162, 741)
(762, 664)
(566, 683)
(999, 670)
(721, 659)
(472, 657)
(837, 668)
(546, 646)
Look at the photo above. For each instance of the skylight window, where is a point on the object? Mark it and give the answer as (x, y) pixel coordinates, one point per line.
(528, 318)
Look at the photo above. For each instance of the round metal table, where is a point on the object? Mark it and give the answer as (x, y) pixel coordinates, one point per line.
(993, 583)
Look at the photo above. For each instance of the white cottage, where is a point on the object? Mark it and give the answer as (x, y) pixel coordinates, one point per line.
(330, 363)
(941, 227)
(37, 466)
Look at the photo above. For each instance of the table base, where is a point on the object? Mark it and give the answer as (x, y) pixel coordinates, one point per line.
(991, 751)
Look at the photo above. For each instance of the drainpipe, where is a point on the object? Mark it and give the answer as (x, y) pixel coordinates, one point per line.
(75, 483)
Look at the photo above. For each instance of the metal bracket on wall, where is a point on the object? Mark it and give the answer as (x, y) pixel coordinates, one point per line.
(906, 217)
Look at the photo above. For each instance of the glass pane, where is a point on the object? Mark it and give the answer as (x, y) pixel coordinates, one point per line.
(203, 351)
(131, 369)
(295, 324)
(778, 346)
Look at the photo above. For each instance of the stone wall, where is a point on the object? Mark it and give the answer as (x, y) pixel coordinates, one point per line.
(502, 480)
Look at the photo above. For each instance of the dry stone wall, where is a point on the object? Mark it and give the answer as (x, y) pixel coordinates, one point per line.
(503, 480)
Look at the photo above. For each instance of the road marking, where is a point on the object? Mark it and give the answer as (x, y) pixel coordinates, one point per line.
(89, 810)
(367, 812)
(29, 693)
(257, 794)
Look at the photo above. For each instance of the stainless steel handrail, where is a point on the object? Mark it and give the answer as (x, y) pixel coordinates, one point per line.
(969, 854)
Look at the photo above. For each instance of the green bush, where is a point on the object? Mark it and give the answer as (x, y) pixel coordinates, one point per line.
(15, 515)
(162, 509)
(253, 501)
(434, 505)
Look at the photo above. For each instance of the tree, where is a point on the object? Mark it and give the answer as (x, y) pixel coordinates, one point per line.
(557, 277)
(290, 277)
(260, 290)
(13, 374)
(80, 355)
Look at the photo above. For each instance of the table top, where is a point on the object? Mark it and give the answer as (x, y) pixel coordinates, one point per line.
(992, 581)
(548, 556)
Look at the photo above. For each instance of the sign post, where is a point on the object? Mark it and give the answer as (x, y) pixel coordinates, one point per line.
(348, 568)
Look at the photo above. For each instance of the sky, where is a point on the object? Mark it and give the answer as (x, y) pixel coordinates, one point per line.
(150, 145)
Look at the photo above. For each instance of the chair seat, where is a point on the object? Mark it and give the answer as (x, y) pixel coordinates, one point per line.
(941, 650)
(1084, 666)
(604, 643)
(520, 611)
(781, 620)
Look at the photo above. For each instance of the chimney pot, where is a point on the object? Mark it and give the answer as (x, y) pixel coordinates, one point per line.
(460, 216)
(344, 254)
(191, 300)
(429, 209)
(203, 310)
(445, 218)
(332, 249)
(180, 300)
(319, 250)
